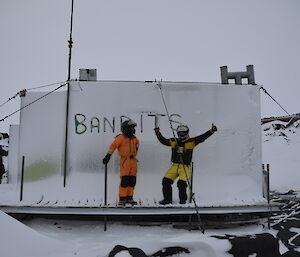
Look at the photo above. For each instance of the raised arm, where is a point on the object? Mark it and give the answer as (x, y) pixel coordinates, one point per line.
(161, 138)
(201, 138)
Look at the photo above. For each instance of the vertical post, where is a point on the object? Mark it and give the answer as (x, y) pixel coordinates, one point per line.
(191, 188)
(70, 41)
(268, 192)
(66, 135)
(105, 195)
(224, 73)
(250, 72)
(268, 182)
(264, 180)
(22, 178)
(105, 186)
(266, 189)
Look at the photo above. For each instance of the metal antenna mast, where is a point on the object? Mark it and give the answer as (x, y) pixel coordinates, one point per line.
(70, 41)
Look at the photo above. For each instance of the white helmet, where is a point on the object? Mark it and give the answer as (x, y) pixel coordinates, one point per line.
(183, 131)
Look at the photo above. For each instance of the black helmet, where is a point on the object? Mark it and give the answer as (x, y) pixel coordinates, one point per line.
(128, 128)
(183, 132)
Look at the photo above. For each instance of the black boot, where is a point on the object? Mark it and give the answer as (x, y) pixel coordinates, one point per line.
(129, 200)
(122, 201)
(167, 191)
(181, 184)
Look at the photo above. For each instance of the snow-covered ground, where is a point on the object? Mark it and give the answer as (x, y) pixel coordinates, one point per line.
(53, 238)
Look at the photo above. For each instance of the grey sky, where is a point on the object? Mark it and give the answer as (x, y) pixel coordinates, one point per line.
(146, 40)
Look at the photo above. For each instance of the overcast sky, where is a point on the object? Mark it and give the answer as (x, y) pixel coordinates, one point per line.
(146, 40)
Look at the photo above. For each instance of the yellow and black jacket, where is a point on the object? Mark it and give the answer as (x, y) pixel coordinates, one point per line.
(182, 151)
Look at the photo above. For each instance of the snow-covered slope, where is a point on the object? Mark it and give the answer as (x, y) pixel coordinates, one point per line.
(28, 242)
(281, 146)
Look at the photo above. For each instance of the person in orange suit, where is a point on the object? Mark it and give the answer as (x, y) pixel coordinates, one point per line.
(127, 144)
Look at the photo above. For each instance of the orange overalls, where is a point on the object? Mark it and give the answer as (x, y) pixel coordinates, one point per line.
(127, 148)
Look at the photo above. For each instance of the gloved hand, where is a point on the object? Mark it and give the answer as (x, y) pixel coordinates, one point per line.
(106, 159)
(213, 128)
(156, 129)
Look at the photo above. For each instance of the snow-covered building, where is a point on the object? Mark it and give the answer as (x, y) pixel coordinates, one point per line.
(62, 138)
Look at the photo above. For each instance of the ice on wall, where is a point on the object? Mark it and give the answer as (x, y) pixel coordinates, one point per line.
(227, 167)
(42, 127)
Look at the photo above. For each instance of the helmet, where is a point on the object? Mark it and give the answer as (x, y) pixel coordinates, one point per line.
(128, 128)
(183, 132)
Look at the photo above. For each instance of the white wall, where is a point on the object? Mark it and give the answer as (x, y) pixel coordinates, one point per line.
(227, 167)
(13, 154)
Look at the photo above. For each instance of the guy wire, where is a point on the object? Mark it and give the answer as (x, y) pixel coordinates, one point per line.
(201, 225)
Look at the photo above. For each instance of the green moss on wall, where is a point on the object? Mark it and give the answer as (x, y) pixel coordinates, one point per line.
(40, 170)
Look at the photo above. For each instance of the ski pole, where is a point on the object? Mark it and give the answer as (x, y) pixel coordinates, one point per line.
(200, 223)
(22, 178)
(105, 185)
(105, 194)
(191, 181)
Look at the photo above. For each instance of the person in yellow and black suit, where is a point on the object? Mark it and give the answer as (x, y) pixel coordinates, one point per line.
(127, 144)
(182, 153)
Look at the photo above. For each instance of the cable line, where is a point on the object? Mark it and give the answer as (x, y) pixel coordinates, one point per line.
(201, 225)
(25, 106)
(9, 99)
(24, 91)
(263, 89)
(48, 85)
